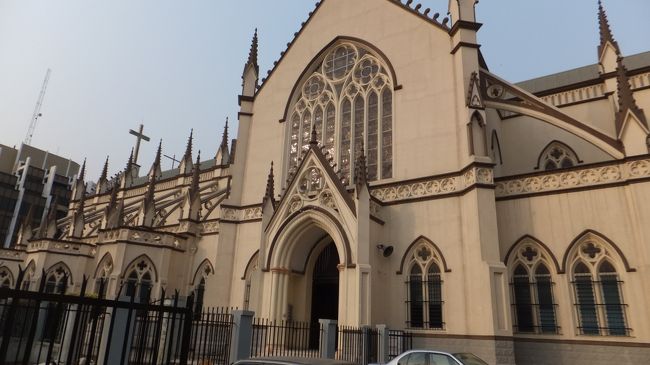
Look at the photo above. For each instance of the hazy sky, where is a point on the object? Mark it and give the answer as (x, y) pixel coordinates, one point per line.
(176, 64)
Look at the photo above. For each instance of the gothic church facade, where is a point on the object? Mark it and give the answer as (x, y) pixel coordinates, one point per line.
(382, 174)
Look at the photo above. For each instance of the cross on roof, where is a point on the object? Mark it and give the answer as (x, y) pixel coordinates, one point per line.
(173, 158)
(139, 136)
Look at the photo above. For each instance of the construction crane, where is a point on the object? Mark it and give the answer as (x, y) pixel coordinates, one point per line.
(37, 110)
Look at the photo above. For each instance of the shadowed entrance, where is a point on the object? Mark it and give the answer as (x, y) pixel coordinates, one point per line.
(325, 291)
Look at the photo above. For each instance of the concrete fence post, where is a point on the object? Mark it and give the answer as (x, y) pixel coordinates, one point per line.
(242, 335)
(328, 338)
(382, 332)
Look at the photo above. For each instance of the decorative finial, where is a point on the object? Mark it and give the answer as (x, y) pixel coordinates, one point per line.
(104, 175)
(188, 148)
(605, 32)
(129, 163)
(314, 135)
(360, 168)
(252, 54)
(270, 184)
(82, 173)
(626, 101)
(196, 176)
(224, 136)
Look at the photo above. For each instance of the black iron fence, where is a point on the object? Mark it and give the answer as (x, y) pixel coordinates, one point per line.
(39, 327)
(284, 338)
(398, 342)
(359, 345)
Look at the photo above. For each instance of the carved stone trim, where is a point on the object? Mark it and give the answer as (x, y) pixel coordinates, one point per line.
(616, 172)
(435, 186)
(241, 214)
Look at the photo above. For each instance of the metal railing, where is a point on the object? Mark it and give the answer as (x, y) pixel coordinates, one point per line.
(284, 338)
(39, 327)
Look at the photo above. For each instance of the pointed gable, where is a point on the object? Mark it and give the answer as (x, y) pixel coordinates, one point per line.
(314, 183)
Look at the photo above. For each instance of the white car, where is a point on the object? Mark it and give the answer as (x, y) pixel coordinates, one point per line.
(430, 357)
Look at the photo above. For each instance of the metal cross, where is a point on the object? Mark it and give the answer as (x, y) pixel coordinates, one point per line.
(139, 136)
(173, 158)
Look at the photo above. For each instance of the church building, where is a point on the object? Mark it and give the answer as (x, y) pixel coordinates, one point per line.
(382, 174)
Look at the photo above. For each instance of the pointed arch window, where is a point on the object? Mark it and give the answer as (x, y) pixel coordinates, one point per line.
(348, 99)
(251, 283)
(139, 280)
(6, 279)
(424, 289)
(557, 155)
(200, 278)
(598, 294)
(104, 270)
(57, 279)
(533, 302)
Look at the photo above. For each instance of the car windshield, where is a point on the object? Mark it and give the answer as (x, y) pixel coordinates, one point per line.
(469, 359)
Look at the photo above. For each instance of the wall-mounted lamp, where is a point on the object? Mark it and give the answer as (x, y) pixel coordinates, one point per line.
(385, 250)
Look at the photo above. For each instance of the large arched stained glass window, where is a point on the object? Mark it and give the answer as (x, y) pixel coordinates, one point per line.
(348, 99)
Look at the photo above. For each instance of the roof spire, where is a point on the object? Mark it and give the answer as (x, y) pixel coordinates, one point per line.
(224, 137)
(252, 54)
(186, 162)
(360, 168)
(155, 167)
(314, 136)
(104, 175)
(270, 184)
(626, 101)
(129, 163)
(82, 174)
(605, 32)
(188, 149)
(196, 175)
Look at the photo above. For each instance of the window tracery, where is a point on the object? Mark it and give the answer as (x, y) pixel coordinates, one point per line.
(251, 282)
(102, 274)
(533, 301)
(6, 279)
(598, 294)
(558, 155)
(200, 278)
(139, 280)
(348, 98)
(424, 288)
(57, 280)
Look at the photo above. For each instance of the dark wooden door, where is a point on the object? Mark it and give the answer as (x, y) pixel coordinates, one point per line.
(325, 291)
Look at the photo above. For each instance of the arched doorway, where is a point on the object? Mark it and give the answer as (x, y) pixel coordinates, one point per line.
(325, 291)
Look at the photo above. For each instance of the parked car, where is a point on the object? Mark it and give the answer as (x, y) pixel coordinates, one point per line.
(282, 360)
(430, 357)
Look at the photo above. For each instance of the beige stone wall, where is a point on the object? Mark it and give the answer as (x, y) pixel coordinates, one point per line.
(424, 109)
(619, 213)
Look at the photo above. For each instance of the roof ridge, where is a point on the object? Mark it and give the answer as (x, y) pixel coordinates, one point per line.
(406, 6)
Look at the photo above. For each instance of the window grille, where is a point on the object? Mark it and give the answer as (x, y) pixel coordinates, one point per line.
(600, 309)
(424, 301)
(533, 301)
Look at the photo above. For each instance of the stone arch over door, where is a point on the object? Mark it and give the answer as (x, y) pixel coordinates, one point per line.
(283, 243)
(292, 257)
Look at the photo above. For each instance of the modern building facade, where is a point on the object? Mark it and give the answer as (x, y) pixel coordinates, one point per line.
(382, 174)
(32, 179)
